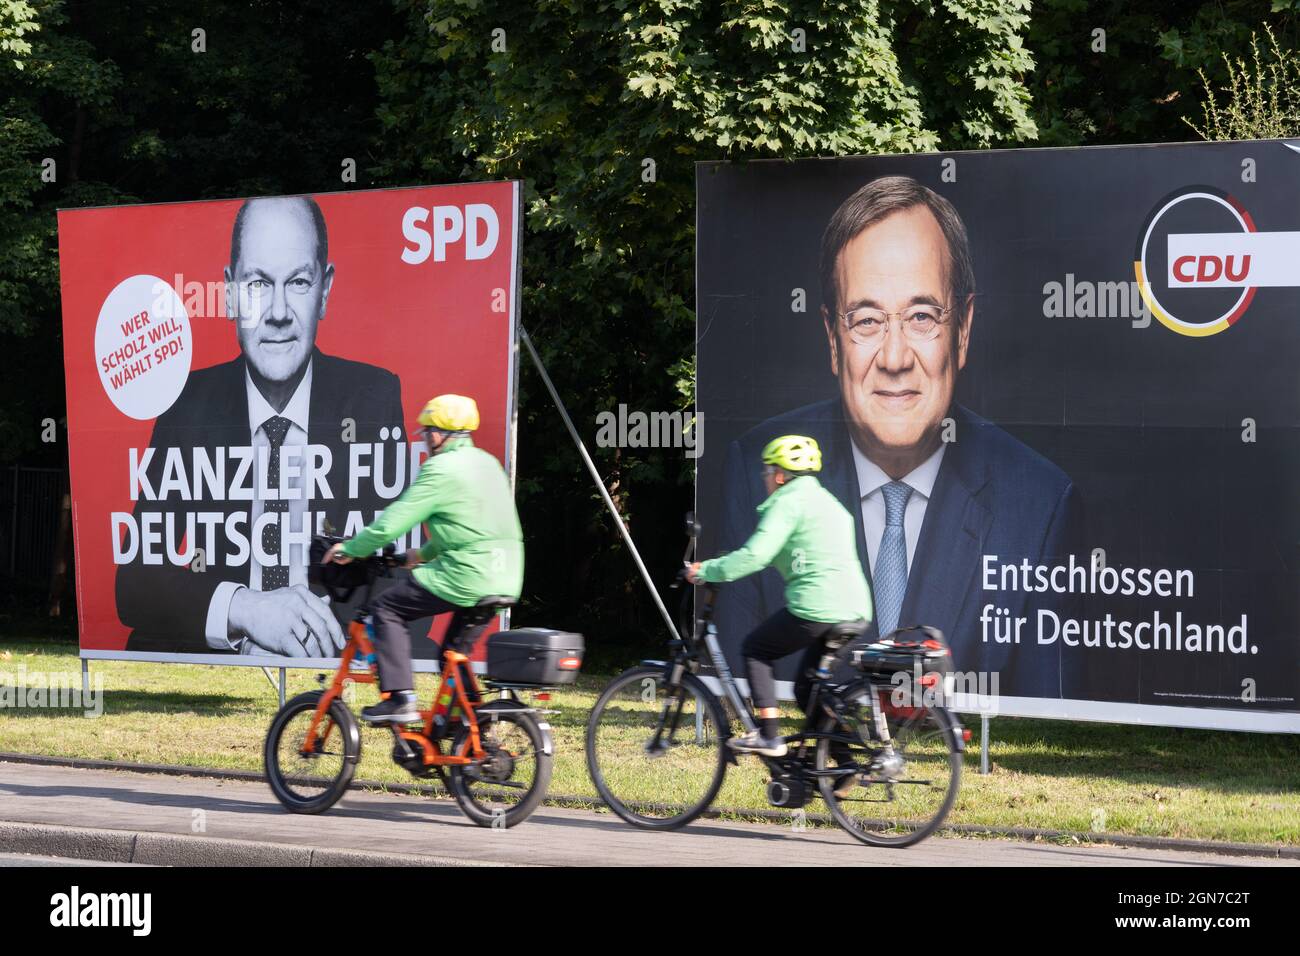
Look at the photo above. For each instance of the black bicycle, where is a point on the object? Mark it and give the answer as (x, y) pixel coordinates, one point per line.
(881, 750)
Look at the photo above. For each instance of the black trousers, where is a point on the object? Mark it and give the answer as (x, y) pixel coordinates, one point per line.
(779, 636)
(406, 602)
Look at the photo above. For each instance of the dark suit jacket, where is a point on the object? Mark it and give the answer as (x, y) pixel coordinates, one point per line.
(168, 605)
(993, 495)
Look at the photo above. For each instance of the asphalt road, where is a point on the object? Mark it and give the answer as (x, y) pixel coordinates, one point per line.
(153, 818)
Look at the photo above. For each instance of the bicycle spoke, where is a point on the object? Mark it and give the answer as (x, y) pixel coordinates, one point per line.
(656, 752)
(308, 779)
(894, 804)
(509, 768)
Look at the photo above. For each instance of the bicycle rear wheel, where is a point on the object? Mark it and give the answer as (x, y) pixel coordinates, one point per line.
(311, 781)
(656, 753)
(511, 780)
(903, 806)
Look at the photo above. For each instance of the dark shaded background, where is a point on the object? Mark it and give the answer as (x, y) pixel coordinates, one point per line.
(288, 88)
(1147, 422)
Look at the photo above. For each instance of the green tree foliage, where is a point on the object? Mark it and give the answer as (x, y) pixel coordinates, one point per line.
(17, 19)
(117, 97)
(577, 98)
(1261, 99)
(1145, 78)
(603, 109)
(43, 72)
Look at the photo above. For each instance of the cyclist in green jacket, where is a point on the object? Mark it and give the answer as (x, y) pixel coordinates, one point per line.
(810, 538)
(475, 549)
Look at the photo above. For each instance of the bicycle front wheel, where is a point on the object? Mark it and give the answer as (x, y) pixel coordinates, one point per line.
(656, 753)
(311, 780)
(904, 801)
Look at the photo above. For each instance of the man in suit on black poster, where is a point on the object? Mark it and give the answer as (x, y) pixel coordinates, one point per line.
(281, 405)
(934, 485)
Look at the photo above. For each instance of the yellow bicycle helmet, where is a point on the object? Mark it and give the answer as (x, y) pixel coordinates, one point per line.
(450, 413)
(795, 453)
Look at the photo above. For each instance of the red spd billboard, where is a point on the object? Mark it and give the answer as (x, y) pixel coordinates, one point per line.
(242, 374)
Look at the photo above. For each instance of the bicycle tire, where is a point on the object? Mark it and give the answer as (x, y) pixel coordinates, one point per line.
(627, 808)
(944, 728)
(347, 733)
(462, 784)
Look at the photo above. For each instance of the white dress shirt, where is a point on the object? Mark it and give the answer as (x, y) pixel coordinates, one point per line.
(870, 482)
(298, 539)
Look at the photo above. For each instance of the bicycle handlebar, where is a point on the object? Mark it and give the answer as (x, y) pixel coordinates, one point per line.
(340, 580)
(388, 557)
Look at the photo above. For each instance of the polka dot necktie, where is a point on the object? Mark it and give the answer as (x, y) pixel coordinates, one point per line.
(276, 575)
(890, 576)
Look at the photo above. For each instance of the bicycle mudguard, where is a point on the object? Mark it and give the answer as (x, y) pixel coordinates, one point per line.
(517, 707)
(958, 732)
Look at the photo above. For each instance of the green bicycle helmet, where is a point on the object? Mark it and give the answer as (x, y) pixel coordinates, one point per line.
(794, 453)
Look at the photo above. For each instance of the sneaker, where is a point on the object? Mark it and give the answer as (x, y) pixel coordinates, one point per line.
(399, 708)
(755, 743)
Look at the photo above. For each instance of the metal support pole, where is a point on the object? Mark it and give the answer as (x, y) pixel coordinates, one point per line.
(984, 743)
(600, 485)
(284, 677)
(85, 678)
(271, 680)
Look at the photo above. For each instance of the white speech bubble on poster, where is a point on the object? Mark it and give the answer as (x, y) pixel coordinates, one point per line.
(143, 346)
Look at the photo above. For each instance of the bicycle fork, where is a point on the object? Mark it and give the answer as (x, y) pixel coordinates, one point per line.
(670, 715)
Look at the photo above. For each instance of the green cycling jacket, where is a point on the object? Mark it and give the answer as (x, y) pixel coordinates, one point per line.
(807, 535)
(475, 546)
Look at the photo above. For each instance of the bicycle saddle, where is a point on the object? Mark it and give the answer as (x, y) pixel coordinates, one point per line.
(845, 631)
(485, 608)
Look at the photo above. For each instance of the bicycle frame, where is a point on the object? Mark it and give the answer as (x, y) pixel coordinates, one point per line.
(719, 661)
(458, 694)
(703, 641)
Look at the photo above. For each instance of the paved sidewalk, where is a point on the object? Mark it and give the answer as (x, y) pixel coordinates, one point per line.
(151, 818)
(30, 860)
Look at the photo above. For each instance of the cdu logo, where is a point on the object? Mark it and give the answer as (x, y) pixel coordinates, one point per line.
(1200, 259)
(1190, 277)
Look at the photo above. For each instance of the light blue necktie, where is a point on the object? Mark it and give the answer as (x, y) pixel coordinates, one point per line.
(890, 576)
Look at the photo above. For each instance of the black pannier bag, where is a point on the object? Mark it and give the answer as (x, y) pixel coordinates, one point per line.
(339, 580)
(903, 650)
(534, 655)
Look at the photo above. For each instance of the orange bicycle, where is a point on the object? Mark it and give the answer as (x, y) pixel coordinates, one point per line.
(494, 756)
